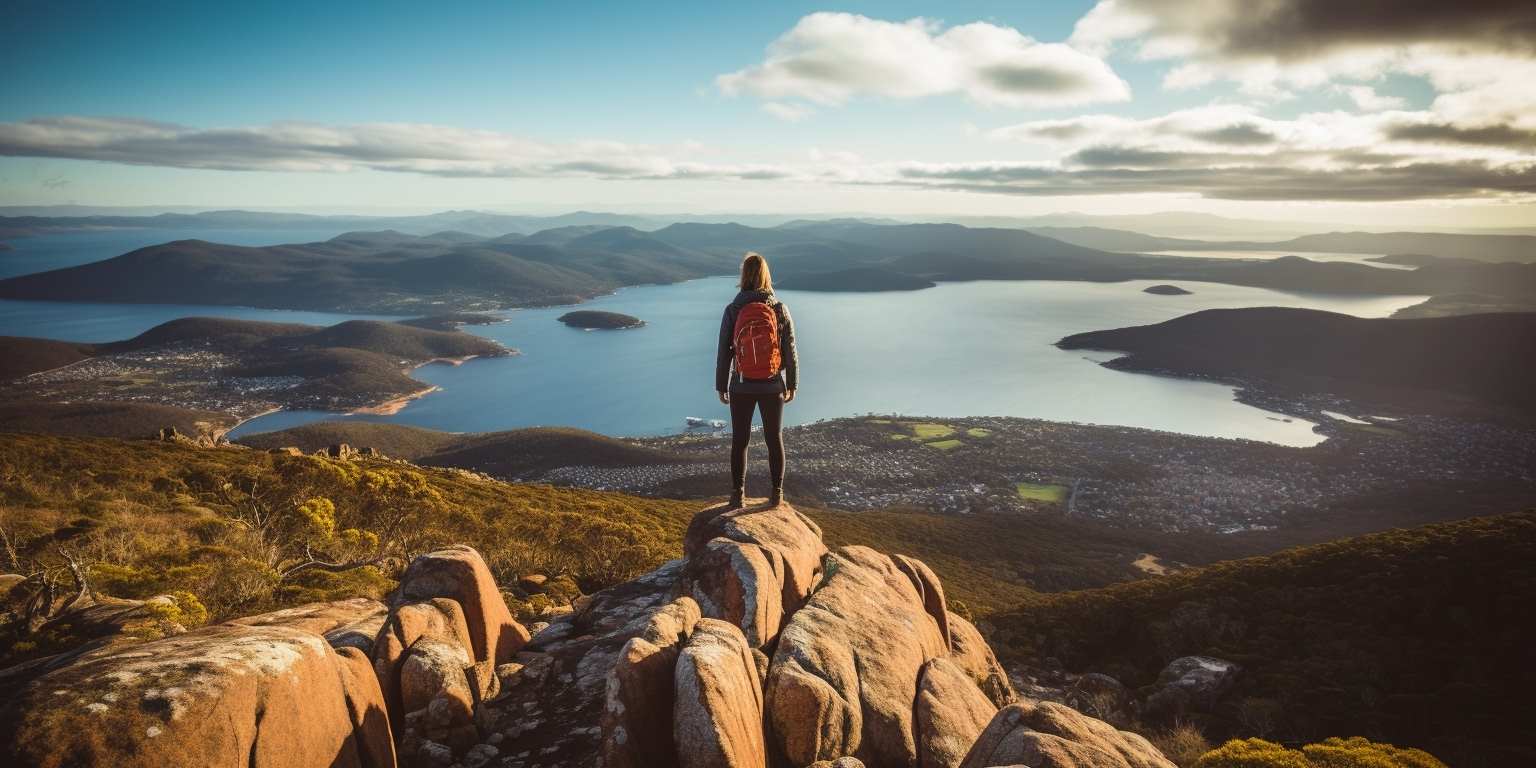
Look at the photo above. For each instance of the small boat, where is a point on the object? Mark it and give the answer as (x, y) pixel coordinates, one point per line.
(694, 422)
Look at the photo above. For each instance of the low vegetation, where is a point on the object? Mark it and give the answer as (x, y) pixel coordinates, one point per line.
(245, 530)
(1335, 752)
(1414, 636)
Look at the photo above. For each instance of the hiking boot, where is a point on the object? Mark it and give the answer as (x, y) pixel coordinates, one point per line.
(738, 499)
(776, 497)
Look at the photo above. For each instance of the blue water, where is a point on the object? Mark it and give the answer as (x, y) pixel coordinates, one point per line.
(960, 349)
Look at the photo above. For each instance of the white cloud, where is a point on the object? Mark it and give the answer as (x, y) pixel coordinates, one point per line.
(789, 112)
(1368, 100)
(829, 58)
(435, 150)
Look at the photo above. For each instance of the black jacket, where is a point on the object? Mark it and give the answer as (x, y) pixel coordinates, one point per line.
(724, 355)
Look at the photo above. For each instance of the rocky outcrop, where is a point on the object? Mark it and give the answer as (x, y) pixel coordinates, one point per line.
(759, 648)
(1049, 735)
(270, 695)
(752, 566)
(868, 666)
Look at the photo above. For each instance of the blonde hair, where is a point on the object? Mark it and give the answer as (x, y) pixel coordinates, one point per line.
(754, 273)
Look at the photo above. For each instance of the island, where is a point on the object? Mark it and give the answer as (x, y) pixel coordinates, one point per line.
(1166, 290)
(593, 320)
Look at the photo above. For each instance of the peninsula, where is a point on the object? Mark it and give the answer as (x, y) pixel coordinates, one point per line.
(240, 368)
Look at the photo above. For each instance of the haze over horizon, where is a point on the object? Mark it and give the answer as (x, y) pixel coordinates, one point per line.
(1368, 116)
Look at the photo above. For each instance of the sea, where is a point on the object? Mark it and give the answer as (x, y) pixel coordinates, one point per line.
(982, 348)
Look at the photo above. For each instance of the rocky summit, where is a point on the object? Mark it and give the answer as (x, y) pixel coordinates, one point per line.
(760, 647)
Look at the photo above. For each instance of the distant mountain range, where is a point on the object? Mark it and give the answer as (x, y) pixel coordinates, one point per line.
(458, 269)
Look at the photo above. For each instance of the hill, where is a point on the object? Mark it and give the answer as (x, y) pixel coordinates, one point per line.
(392, 271)
(20, 355)
(385, 271)
(1409, 635)
(109, 419)
(241, 367)
(1482, 359)
(393, 440)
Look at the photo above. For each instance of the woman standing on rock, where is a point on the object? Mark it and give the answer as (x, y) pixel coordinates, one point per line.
(756, 368)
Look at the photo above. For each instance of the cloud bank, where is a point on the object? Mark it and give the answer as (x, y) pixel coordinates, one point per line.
(1217, 152)
(434, 150)
(830, 58)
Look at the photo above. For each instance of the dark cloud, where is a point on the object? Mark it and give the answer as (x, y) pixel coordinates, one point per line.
(1300, 27)
(1114, 156)
(1295, 29)
(1238, 134)
(1416, 181)
(1446, 133)
(1012, 78)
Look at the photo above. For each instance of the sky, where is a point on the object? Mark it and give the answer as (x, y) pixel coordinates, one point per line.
(1374, 112)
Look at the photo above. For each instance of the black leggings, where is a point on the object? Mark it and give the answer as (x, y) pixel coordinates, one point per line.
(772, 408)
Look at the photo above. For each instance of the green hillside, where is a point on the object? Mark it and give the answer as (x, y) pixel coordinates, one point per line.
(1415, 636)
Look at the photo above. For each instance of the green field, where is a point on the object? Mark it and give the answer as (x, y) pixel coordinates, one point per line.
(1051, 494)
(927, 430)
(978, 432)
(944, 445)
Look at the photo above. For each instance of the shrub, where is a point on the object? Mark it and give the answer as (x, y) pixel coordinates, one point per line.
(1354, 752)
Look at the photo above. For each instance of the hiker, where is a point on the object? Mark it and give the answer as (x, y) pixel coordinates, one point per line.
(756, 367)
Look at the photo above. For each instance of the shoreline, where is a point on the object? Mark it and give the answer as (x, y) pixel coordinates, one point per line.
(392, 406)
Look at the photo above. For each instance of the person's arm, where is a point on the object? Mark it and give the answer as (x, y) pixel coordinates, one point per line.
(787, 352)
(723, 355)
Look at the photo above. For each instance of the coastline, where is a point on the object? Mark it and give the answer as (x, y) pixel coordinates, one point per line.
(393, 406)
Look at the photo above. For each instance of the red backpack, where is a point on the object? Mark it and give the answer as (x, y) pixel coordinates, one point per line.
(757, 341)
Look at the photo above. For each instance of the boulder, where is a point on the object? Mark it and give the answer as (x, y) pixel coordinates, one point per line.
(752, 566)
(844, 674)
(459, 574)
(231, 694)
(639, 701)
(1203, 679)
(355, 623)
(438, 618)
(969, 650)
(951, 711)
(434, 669)
(841, 762)
(1097, 694)
(717, 718)
(1050, 735)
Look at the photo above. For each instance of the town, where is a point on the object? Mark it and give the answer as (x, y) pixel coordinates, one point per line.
(1116, 475)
